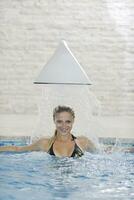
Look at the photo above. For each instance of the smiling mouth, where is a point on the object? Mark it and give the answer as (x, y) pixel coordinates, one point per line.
(64, 130)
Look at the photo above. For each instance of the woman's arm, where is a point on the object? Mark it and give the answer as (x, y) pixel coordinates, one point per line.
(40, 145)
(128, 150)
(112, 148)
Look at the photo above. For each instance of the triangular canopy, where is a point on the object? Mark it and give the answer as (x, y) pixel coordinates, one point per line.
(63, 68)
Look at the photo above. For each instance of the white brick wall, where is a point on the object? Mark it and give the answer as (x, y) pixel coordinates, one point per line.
(100, 34)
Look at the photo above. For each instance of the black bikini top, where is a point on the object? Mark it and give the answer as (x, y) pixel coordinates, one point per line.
(77, 152)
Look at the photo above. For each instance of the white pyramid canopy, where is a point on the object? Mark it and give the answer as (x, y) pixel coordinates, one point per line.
(63, 68)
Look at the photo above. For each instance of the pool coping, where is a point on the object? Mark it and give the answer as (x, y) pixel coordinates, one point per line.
(103, 140)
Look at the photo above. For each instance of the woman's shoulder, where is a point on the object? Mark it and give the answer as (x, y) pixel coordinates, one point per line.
(42, 139)
(83, 139)
(86, 143)
(43, 142)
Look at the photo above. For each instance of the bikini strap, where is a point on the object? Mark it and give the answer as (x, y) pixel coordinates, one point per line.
(73, 137)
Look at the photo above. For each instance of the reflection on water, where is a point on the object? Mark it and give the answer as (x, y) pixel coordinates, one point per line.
(37, 175)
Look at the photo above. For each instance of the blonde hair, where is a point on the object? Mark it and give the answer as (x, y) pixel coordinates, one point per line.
(57, 110)
(60, 109)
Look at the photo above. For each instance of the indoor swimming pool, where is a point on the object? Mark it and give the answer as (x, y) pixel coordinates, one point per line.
(38, 175)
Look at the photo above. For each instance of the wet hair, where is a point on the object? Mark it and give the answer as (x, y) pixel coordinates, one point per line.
(60, 109)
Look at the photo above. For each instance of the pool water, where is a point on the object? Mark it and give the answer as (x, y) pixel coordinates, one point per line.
(39, 176)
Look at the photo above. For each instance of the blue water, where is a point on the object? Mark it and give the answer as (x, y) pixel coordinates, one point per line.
(39, 176)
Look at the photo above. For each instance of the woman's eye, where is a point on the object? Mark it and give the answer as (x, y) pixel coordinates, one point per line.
(59, 121)
(68, 122)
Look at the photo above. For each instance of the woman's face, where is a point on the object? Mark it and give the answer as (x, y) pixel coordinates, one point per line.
(64, 122)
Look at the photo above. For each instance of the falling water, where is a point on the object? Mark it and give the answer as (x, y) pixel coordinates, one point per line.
(78, 97)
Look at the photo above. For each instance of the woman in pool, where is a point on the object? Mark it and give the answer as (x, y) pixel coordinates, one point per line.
(62, 143)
